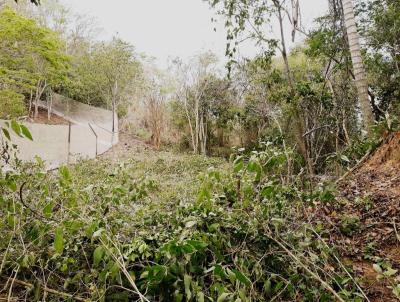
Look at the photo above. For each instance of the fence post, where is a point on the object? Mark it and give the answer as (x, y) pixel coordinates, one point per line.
(69, 141)
(95, 134)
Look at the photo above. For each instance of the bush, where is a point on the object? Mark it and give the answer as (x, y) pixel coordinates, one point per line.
(105, 228)
(12, 104)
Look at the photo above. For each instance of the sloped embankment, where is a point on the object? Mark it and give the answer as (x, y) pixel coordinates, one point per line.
(373, 195)
(365, 223)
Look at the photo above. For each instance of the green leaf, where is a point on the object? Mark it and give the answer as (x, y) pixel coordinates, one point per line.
(64, 172)
(48, 209)
(390, 272)
(59, 241)
(268, 287)
(238, 164)
(345, 158)
(178, 296)
(231, 275)
(396, 291)
(219, 271)
(12, 185)
(197, 244)
(241, 277)
(187, 280)
(377, 268)
(255, 167)
(6, 133)
(26, 132)
(97, 233)
(200, 297)
(16, 127)
(190, 224)
(223, 297)
(98, 255)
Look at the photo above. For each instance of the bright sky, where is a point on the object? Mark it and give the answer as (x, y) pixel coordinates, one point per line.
(170, 28)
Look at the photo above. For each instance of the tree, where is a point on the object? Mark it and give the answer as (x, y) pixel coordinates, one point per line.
(193, 81)
(31, 56)
(105, 75)
(378, 30)
(358, 66)
(247, 20)
(155, 101)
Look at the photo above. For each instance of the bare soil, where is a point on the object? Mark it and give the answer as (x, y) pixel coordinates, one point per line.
(365, 223)
(42, 118)
(127, 145)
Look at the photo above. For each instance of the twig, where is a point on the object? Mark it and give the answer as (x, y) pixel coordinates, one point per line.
(49, 290)
(315, 129)
(314, 275)
(363, 159)
(341, 264)
(12, 284)
(395, 230)
(27, 206)
(123, 268)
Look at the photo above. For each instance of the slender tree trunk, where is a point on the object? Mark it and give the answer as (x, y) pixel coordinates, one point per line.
(197, 124)
(37, 97)
(298, 123)
(358, 66)
(30, 104)
(50, 105)
(39, 92)
(192, 134)
(283, 44)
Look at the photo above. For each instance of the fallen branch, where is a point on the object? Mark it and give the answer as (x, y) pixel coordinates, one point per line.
(37, 214)
(363, 159)
(48, 290)
(312, 274)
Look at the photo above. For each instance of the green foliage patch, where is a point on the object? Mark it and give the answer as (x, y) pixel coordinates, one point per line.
(151, 225)
(12, 104)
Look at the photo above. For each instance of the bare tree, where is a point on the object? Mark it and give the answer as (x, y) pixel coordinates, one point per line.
(193, 82)
(155, 109)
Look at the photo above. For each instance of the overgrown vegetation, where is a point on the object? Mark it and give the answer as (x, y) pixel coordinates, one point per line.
(150, 225)
(267, 222)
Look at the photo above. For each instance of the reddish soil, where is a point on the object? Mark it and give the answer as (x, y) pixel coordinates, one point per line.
(365, 223)
(42, 118)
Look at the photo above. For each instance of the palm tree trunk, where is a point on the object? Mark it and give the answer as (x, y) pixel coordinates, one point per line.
(358, 66)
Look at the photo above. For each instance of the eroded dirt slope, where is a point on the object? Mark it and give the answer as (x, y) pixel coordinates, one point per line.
(365, 222)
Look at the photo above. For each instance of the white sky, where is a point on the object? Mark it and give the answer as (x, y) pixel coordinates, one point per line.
(170, 28)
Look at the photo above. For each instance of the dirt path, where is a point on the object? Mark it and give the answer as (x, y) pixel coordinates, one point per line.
(128, 144)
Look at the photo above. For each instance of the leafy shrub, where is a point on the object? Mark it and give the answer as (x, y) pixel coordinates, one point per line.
(12, 104)
(109, 233)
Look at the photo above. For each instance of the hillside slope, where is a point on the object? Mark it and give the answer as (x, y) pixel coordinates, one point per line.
(365, 223)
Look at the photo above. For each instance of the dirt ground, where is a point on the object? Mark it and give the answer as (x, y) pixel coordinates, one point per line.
(127, 145)
(365, 223)
(42, 118)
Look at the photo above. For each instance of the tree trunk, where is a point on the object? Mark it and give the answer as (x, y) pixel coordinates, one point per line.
(283, 44)
(39, 91)
(358, 66)
(49, 105)
(30, 104)
(190, 123)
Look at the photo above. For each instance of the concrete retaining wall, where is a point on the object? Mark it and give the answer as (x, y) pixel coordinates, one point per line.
(60, 144)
